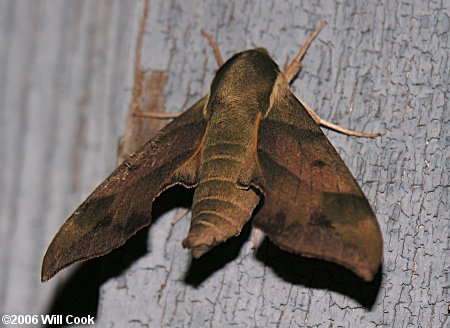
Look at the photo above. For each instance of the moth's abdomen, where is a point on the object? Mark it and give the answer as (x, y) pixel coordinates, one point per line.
(220, 208)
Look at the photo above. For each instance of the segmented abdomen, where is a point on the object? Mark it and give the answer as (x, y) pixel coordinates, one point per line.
(220, 208)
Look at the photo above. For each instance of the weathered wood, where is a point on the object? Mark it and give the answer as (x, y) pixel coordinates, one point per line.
(66, 86)
(65, 83)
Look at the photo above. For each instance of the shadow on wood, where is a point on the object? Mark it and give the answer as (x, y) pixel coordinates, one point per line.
(216, 258)
(319, 274)
(79, 295)
(295, 269)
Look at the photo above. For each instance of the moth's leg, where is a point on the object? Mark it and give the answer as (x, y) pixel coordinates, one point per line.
(255, 238)
(295, 66)
(181, 215)
(174, 221)
(336, 127)
(161, 116)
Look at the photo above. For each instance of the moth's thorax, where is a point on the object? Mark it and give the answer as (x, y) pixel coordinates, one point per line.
(244, 82)
(240, 92)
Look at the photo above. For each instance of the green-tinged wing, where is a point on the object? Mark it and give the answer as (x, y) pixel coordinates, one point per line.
(122, 204)
(312, 204)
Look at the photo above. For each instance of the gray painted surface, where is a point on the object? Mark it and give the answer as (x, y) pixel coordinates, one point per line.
(66, 76)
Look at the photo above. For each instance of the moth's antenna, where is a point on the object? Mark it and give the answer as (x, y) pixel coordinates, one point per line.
(214, 46)
(295, 66)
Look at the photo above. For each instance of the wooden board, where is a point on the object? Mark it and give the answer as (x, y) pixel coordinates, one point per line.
(67, 80)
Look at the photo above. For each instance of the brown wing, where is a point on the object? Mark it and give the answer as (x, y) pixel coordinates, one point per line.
(312, 204)
(122, 204)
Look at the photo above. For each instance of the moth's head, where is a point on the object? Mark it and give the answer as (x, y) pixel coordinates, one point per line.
(244, 69)
(247, 78)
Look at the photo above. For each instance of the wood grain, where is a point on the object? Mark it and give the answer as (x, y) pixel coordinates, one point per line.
(65, 88)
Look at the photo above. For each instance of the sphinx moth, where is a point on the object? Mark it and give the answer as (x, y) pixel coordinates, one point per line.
(248, 143)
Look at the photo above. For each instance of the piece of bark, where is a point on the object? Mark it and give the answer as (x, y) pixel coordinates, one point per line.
(147, 97)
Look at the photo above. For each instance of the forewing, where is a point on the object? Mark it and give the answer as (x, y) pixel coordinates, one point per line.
(312, 204)
(121, 205)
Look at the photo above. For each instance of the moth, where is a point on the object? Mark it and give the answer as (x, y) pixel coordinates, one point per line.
(250, 149)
